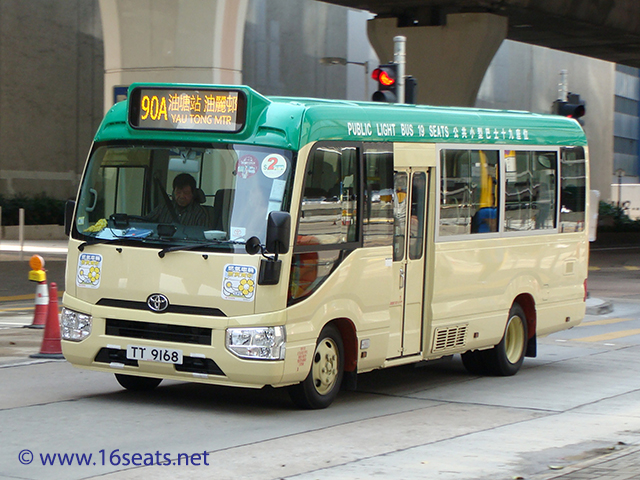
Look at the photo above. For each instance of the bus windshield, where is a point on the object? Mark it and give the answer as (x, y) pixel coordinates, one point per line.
(172, 195)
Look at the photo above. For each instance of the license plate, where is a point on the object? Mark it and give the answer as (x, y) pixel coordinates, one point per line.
(154, 354)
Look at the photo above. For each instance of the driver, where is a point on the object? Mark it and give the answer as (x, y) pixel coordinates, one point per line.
(182, 209)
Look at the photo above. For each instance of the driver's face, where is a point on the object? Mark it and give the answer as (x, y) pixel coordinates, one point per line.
(183, 196)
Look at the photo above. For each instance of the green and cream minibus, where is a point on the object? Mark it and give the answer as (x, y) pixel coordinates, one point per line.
(329, 239)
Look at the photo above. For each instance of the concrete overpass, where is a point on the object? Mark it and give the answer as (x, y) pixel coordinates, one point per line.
(450, 43)
(608, 30)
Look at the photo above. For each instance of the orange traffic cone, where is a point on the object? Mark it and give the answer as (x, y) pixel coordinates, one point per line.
(51, 347)
(42, 306)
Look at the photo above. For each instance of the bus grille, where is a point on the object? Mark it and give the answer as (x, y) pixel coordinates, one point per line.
(158, 331)
(450, 337)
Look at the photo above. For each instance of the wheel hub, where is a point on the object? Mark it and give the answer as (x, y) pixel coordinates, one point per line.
(325, 365)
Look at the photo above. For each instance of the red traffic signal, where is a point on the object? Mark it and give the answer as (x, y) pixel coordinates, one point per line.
(386, 76)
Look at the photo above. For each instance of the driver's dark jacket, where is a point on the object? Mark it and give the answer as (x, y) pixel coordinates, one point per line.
(192, 214)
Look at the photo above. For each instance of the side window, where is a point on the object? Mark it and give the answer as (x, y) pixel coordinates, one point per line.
(378, 196)
(469, 192)
(400, 201)
(328, 216)
(573, 190)
(530, 191)
(418, 215)
(330, 197)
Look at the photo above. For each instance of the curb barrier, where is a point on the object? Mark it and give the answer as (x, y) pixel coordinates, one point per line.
(51, 346)
(41, 306)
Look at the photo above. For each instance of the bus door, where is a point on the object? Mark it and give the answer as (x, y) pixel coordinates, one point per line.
(408, 262)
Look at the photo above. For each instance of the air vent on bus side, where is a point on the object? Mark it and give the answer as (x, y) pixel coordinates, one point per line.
(446, 338)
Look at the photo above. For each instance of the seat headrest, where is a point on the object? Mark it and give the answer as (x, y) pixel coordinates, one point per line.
(198, 196)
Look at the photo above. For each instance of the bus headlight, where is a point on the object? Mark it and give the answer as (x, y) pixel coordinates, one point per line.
(257, 343)
(74, 326)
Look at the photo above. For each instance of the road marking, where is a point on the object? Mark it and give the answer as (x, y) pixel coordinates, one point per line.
(606, 321)
(16, 309)
(594, 269)
(609, 336)
(29, 296)
(631, 268)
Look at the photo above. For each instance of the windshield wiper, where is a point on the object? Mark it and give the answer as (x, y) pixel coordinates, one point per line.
(95, 241)
(195, 246)
(120, 239)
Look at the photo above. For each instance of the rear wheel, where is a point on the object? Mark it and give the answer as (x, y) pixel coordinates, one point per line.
(506, 358)
(137, 384)
(322, 385)
(473, 361)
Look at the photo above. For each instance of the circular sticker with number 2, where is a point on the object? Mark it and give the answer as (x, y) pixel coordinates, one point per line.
(274, 165)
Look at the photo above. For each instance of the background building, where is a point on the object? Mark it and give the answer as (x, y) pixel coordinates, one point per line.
(51, 84)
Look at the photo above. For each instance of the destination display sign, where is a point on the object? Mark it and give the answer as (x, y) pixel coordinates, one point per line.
(198, 109)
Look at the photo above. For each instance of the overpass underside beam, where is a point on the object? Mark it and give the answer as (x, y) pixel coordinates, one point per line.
(449, 61)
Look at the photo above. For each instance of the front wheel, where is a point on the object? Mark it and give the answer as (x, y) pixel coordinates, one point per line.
(322, 385)
(137, 384)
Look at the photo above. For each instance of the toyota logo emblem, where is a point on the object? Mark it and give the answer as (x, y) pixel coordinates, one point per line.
(157, 302)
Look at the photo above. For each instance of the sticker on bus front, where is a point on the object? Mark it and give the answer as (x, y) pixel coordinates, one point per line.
(239, 283)
(89, 270)
(274, 166)
(247, 166)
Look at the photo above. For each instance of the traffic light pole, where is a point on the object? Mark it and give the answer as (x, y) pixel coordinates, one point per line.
(563, 89)
(399, 58)
(568, 104)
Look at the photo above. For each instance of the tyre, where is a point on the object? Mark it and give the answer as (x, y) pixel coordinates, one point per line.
(473, 362)
(137, 384)
(322, 385)
(506, 358)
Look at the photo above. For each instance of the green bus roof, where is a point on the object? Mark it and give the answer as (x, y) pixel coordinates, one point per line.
(290, 123)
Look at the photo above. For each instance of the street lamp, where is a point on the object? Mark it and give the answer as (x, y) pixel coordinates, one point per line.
(344, 61)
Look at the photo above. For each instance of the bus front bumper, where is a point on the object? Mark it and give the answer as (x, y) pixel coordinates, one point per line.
(123, 351)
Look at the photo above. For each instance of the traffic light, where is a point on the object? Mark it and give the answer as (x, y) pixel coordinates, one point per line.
(410, 89)
(386, 76)
(572, 108)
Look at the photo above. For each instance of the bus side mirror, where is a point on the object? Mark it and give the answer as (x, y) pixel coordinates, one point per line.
(69, 207)
(278, 232)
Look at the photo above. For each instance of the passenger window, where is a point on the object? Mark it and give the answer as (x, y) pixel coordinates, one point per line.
(469, 192)
(573, 190)
(400, 201)
(530, 193)
(330, 196)
(416, 227)
(378, 196)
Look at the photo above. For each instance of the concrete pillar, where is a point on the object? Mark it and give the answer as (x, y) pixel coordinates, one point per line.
(186, 41)
(448, 61)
